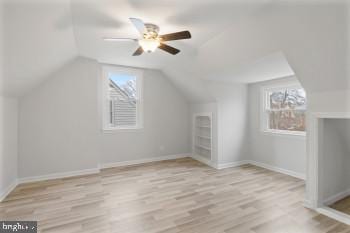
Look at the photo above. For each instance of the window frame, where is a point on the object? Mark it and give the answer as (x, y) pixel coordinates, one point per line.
(106, 69)
(264, 119)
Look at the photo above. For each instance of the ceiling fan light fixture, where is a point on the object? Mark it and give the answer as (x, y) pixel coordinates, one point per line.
(150, 39)
(149, 45)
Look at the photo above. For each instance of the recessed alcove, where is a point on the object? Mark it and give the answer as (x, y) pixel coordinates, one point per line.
(328, 183)
(335, 148)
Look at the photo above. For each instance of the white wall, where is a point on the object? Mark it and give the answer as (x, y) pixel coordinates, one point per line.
(60, 123)
(8, 144)
(2, 56)
(330, 101)
(166, 125)
(8, 126)
(232, 121)
(281, 151)
(229, 121)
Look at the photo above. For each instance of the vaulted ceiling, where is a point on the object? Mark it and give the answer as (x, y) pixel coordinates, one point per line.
(34, 43)
(233, 40)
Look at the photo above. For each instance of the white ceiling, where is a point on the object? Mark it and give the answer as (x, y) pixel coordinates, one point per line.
(93, 20)
(35, 43)
(233, 40)
(272, 66)
(206, 19)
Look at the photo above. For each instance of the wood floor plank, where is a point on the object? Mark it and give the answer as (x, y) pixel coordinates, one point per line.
(342, 205)
(178, 196)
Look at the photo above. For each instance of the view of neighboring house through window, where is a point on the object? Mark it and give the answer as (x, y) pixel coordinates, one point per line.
(122, 98)
(285, 109)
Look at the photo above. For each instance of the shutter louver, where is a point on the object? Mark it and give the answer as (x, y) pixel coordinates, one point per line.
(123, 107)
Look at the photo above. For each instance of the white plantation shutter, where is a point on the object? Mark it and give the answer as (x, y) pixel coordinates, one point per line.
(123, 108)
(123, 112)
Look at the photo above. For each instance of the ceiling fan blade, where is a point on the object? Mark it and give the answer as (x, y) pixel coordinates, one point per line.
(169, 49)
(118, 39)
(139, 25)
(176, 36)
(138, 51)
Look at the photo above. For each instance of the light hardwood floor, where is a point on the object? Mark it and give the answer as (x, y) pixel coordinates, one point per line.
(179, 196)
(342, 205)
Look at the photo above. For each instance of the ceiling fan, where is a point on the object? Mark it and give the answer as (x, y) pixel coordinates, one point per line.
(150, 39)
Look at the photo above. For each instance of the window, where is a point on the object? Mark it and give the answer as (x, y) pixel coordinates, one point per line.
(122, 98)
(284, 110)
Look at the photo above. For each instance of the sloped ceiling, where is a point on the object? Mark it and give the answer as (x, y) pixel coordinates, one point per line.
(36, 42)
(233, 40)
(205, 19)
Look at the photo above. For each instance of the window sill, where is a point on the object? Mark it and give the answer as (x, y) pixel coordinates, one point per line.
(284, 133)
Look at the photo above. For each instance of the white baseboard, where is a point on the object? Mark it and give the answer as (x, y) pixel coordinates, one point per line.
(334, 214)
(10, 188)
(243, 162)
(141, 161)
(58, 175)
(308, 204)
(216, 165)
(204, 160)
(233, 164)
(278, 169)
(337, 197)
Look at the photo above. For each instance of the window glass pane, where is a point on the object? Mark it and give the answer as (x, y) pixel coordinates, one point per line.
(286, 108)
(288, 98)
(292, 120)
(125, 83)
(123, 98)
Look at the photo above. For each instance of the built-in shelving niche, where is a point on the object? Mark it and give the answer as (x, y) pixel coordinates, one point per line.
(335, 163)
(328, 181)
(202, 136)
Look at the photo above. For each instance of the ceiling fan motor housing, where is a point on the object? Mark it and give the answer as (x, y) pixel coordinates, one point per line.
(152, 31)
